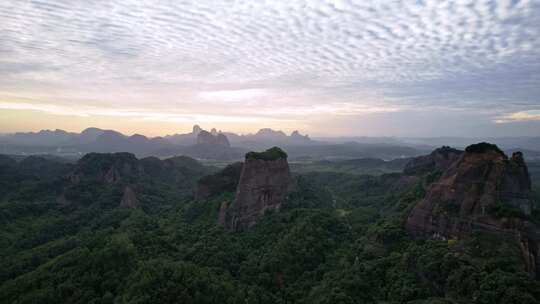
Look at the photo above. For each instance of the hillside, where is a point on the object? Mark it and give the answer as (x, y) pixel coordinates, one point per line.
(78, 236)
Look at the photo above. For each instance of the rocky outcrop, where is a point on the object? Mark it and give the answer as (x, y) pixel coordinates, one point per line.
(108, 168)
(263, 186)
(129, 199)
(482, 190)
(124, 175)
(296, 136)
(196, 130)
(439, 160)
(215, 147)
(206, 138)
(270, 135)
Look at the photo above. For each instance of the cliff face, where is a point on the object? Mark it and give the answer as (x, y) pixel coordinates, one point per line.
(263, 185)
(129, 199)
(482, 190)
(474, 190)
(440, 159)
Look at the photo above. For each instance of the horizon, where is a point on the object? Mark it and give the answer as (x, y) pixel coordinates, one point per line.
(326, 68)
(288, 133)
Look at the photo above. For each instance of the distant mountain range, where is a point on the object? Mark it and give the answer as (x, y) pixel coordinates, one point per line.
(265, 136)
(228, 146)
(199, 143)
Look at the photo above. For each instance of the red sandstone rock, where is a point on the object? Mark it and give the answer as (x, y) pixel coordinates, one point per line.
(129, 199)
(263, 186)
(482, 190)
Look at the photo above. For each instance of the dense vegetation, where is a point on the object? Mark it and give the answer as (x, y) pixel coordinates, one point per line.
(338, 240)
(361, 166)
(225, 180)
(483, 147)
(270, 154)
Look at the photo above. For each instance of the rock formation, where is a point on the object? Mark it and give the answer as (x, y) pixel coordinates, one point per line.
(482, 190)
(206, 138)
(439, 160)
(270, 135)
(264, 184)
(296, 136)
(196, 130)
(129, 199)
(107, 167)
(126, 176)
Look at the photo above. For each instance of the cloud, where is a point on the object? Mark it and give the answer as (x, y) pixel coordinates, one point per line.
(524, 116)
(272, 58)
(137, 114)
(47, 108)
(339, 109)
(233, 95)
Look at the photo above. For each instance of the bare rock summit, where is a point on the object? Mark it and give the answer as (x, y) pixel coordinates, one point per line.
(263, 186)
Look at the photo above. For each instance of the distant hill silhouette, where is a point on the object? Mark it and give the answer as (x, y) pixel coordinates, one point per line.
(198, 144)
(228, 146)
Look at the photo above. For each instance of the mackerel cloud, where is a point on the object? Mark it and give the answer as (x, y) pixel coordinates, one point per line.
(275, 58)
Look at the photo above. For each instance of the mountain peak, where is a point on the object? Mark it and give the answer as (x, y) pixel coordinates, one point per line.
(270, 132)
(438, 160)
(295, 135)
(206, 138)
(106, 167)
(274, 153)
(264, 185)
(480, 191)
(91, 130)
(196, 129)
(484, 147)
(138, 137)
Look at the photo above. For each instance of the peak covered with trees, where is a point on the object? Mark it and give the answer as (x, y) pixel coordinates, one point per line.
(483, 147)
(274, 153)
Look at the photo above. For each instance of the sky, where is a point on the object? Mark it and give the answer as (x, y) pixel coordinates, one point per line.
(326, 68)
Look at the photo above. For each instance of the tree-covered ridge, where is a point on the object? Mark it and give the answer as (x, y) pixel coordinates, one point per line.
(483, 147)
(270, 154)
(225, 180)
(339, 239)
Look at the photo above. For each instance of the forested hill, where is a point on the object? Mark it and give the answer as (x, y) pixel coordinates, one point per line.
(69, 236)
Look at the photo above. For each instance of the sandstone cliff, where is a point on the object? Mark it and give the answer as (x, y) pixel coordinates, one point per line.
(482, 190)
(439, 160)
(263, 186)
(129, 199)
